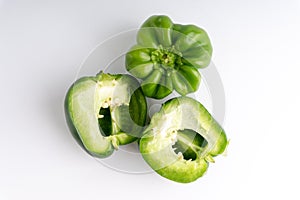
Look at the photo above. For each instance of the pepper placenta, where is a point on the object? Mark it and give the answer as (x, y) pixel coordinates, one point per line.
(105, 111)
(182, 139)
(167, 57)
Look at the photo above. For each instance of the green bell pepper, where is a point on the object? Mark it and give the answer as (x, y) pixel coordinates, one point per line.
(105, 111)
(181, 140)
(167, 57)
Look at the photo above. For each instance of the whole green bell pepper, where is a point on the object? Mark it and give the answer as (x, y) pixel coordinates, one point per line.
(167, 57)
(181, 140)
(105, 111)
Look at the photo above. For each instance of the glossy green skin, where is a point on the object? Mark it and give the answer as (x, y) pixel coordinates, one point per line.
(127, 107)
(172, 127)
(167, 57)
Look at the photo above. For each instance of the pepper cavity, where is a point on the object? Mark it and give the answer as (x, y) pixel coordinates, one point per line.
(189, 143)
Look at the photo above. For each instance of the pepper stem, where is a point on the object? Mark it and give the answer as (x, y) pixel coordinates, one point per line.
(209, 158)
(166, 56)
(115, 142)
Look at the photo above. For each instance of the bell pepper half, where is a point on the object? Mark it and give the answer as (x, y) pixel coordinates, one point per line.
(105, 111)
(182, 140)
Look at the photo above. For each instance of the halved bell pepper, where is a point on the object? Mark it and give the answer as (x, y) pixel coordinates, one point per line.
(105, 111)
(181, 140)
(167, 56)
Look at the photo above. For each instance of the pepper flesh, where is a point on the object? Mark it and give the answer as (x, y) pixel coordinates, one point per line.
(185, 124)
(105, 111)
(167, 57)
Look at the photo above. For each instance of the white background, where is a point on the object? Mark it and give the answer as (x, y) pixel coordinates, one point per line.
(256, 51)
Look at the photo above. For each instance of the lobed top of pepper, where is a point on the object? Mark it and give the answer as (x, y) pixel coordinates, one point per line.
(167, 57)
